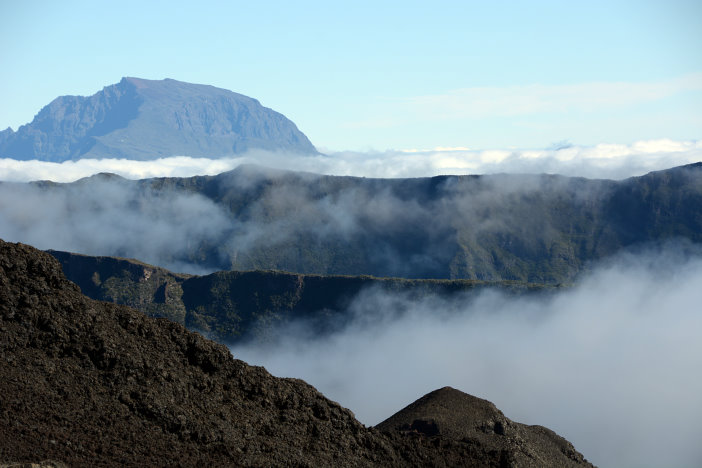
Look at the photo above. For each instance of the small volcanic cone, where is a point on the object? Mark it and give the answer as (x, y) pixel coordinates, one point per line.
(450, 415)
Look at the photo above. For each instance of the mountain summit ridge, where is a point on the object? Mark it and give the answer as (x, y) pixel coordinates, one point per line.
(148, 119)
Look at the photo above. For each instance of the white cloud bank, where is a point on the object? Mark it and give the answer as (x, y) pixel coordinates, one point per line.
(611, 161)
(613, 364)
(113, 218)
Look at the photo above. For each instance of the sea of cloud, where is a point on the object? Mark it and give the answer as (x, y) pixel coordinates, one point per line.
(610, 161)
(611, 364)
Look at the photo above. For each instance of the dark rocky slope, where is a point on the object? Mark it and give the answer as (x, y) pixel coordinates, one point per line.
(89, 383)
(450, 414)
(148, 119)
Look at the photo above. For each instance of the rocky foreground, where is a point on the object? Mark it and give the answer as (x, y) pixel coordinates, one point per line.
(87, 383)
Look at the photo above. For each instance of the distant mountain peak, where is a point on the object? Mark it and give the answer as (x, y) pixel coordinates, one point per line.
(138, 82)
(150, 119)
(102, 176)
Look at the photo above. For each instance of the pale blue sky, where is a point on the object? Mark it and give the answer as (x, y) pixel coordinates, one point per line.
(381, 75)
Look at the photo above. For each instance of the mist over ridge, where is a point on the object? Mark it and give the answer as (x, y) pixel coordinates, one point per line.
(535, 228)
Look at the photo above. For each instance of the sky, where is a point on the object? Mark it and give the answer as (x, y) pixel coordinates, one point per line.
(378, 76)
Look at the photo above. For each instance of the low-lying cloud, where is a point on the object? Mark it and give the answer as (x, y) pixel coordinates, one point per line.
(489, 227)
(110, 217)
(611, 161)
(611, 364)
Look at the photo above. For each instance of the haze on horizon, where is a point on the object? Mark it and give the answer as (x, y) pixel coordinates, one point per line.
(605, 161)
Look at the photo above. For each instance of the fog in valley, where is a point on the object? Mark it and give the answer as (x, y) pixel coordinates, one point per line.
(611, 364)
(505, 226)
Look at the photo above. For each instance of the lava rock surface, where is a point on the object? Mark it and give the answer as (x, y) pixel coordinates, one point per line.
(88, 383)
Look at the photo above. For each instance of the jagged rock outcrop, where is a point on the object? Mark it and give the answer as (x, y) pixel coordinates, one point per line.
(149, 119)
(89, 383)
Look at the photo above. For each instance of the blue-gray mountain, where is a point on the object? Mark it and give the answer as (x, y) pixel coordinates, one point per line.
(149, 119)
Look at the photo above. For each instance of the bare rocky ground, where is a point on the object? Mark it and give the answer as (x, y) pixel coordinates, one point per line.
(87, 383)
(455, 416)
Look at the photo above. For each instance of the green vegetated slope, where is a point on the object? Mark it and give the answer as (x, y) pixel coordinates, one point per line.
(230, 306)
(533, 228)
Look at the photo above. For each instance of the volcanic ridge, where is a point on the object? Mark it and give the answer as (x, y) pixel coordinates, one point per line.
(88, 383)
